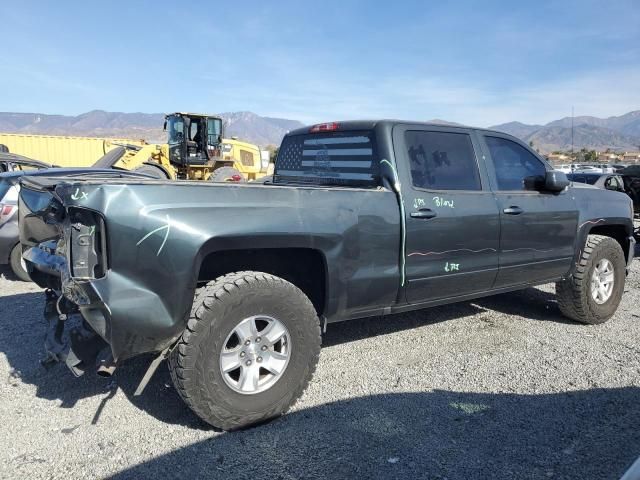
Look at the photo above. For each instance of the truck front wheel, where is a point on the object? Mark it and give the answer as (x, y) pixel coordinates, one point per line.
(592, 294)
(249, 350)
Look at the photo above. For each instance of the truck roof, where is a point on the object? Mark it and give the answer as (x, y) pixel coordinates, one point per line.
(348, 125)
(193, 114)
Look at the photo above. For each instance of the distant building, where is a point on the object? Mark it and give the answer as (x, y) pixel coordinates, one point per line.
(558, 158)
(608, 157)
(630, 157)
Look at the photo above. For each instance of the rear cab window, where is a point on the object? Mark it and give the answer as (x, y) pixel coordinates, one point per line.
(340, 158)
(442, 160)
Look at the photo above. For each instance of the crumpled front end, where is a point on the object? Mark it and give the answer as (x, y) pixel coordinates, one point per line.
(69, 337)
(95, 315)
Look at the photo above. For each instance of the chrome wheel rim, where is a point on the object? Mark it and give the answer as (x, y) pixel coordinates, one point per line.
(255, 354)
(602, 280)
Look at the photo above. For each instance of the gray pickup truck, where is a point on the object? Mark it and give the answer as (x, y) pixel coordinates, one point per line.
(234, 283)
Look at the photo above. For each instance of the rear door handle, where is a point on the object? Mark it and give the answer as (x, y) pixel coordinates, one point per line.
(513, 210)
(425, 213)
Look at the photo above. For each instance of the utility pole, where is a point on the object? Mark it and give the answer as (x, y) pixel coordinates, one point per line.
(571, 131)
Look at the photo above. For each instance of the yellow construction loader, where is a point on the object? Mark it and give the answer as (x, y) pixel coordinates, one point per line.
(195, 150)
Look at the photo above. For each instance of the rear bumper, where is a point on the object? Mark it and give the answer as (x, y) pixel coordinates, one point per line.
(130, 318)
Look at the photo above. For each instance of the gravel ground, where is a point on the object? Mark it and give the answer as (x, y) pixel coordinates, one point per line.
(503, 387)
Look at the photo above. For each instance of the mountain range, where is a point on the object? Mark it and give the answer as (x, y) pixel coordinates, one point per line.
(616, 133)
(98, 123)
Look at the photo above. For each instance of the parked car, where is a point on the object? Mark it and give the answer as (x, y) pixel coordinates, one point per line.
(10, 162)
(599, 180)
(10, 251)
(234, 283)
(586, 169)
(621, 183)
(631, 170)
(632, 187)
(569, 167)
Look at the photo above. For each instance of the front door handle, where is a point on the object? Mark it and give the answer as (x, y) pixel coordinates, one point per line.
(513, 210)
(424, 213)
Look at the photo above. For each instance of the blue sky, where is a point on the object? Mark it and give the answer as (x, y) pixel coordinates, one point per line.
(475, 62)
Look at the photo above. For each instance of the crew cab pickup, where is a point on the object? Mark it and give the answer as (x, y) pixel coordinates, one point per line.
(233, 283)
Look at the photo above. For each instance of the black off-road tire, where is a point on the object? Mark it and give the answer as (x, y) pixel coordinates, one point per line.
(153, 171)
(195, 361)
(574, 294)
(17, 267)
(226, 174)
(4, 148)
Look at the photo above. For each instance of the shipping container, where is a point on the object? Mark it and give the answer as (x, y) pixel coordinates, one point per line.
(63, 151)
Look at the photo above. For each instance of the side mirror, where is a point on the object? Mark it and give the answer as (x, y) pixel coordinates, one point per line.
(556, 181)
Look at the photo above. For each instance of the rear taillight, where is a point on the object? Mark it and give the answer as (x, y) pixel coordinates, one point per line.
(87, 244)
(6, 212)
(325, 127)
(236, 178)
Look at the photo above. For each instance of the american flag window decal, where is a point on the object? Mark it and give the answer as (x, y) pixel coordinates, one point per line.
(333, 158)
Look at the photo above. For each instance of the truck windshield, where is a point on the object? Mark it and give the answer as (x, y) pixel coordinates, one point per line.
(328, 158)
(175, 130)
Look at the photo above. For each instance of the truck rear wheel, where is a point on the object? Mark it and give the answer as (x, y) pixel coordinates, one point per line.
(227, 174)
(593, 293)
(249, 350)
(18, 266)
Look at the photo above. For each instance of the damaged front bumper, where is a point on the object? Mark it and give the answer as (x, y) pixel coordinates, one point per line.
(105, 303)
(82, 331)
(71, 340)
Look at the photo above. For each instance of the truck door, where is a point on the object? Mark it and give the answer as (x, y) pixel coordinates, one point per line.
(538, 229)
(451, 216)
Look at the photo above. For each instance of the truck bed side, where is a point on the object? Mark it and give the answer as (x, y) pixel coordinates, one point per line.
(161, 242)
